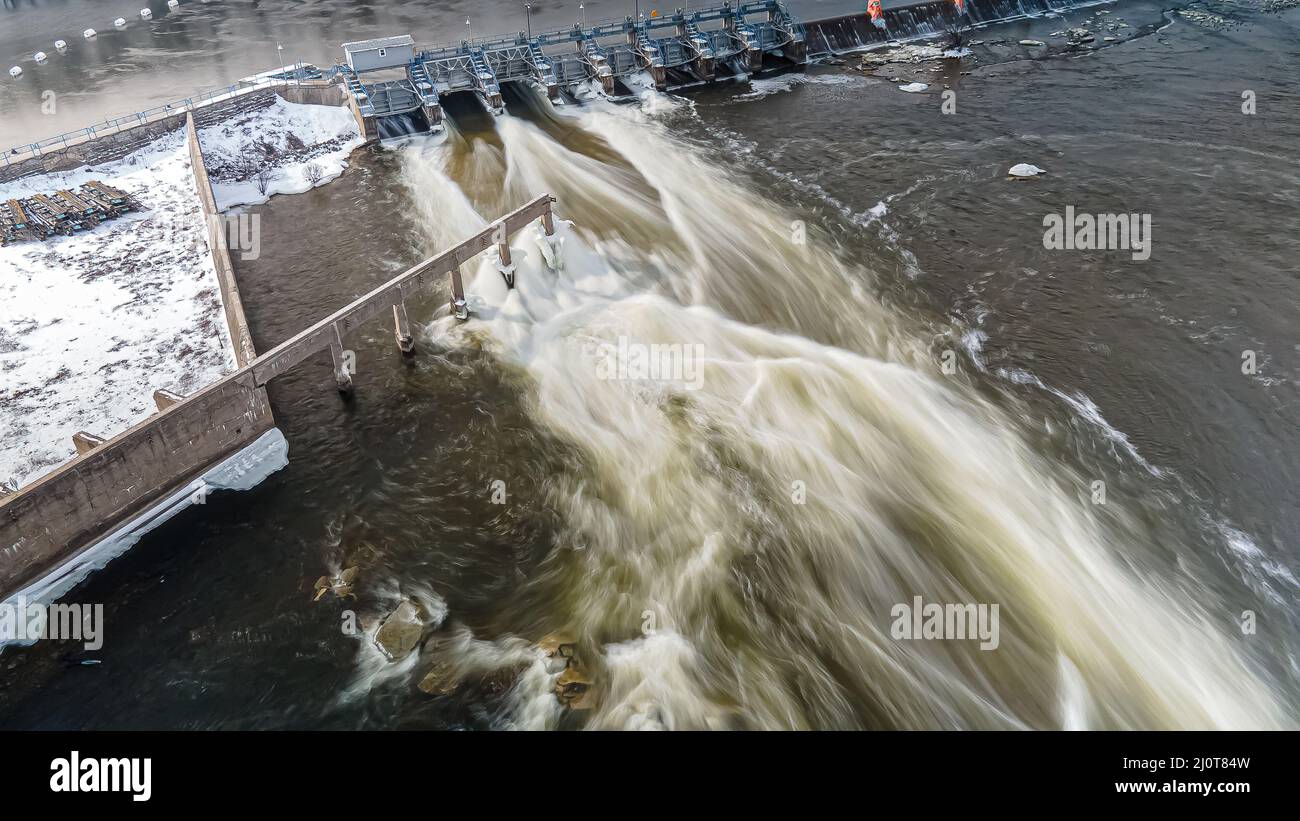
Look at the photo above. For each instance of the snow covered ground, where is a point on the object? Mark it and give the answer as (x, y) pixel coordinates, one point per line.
(91, 325)
(286, 137)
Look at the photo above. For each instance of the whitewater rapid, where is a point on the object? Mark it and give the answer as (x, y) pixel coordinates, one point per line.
(734, 542)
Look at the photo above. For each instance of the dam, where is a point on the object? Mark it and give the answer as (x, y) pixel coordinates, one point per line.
(679, 49)
(810, 466)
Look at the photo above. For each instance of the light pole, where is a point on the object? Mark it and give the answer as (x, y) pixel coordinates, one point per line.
(470, 28)
(582, 8)
(528, 10)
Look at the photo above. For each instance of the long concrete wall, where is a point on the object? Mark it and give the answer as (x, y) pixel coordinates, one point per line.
(54, 518)
(116, 145)
(240, 337)
(102, 149)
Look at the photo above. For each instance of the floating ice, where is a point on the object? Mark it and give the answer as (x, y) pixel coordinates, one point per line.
(914, 88)
(1024, 169)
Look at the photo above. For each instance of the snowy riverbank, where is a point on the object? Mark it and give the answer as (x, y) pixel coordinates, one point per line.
(92, 324)
(287, 139)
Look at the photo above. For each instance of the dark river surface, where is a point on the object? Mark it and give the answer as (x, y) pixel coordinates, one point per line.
(1071, 368)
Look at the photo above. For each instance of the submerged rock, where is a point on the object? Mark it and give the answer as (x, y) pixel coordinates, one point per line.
(558, 645)
(1032, 43)
(441, 680)
(574, 688)
(401, 631)
(340, 585)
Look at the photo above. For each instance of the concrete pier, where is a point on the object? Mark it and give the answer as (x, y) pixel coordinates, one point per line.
(63, 512)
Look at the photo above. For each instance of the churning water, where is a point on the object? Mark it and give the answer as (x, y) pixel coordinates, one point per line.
(733, 541)
(728, 543)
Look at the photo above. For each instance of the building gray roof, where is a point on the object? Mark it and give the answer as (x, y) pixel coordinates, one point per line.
(379, 42)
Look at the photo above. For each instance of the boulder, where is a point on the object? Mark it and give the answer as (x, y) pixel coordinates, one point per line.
(574, 688)
(340, 585)
(401, 631)
(441, 680)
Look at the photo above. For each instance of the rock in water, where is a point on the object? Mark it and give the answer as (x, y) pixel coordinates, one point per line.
(559, 648)
(1024, 170)
(573, 688)
(1032, 43)
(441, 680)
(340, 585)
(401, 631)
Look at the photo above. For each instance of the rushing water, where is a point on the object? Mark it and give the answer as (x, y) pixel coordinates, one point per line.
(726, 546)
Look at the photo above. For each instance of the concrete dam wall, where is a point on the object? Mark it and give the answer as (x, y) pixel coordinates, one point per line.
(855, 32)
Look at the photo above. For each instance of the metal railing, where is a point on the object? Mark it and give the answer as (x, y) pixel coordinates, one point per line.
(114, 125)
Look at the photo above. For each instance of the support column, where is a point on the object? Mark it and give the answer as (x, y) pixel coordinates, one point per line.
(459, 307)
(402, 326)
(86, 442)
(507, 267)
(342, 370)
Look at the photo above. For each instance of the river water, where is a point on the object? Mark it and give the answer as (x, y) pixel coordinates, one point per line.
(726, 548)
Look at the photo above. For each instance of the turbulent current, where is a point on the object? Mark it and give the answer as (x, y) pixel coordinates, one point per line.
(735, 534)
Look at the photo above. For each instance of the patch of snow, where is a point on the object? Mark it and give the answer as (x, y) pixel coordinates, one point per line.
(286, 137)
(914, 88)
(92, 324)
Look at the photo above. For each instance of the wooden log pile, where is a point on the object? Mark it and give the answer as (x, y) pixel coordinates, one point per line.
(42, 216)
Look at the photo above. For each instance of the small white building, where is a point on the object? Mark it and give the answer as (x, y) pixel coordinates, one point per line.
(380, 53)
